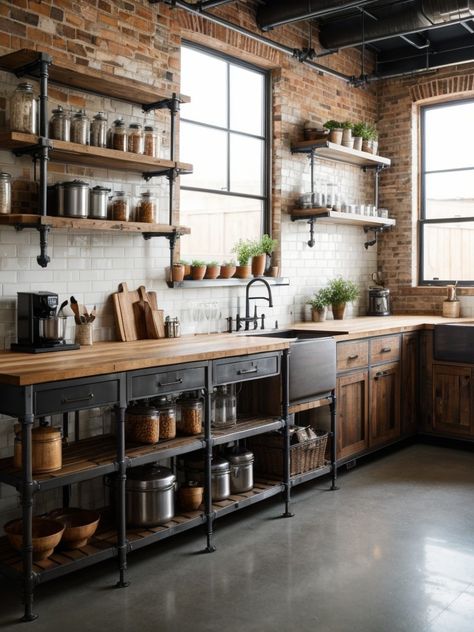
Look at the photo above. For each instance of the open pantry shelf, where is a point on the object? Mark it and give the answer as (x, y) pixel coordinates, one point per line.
(331, 151)
(188, 284)
(327, 216)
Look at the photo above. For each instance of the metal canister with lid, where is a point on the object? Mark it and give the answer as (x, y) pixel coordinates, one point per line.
(172, 327)
(5, 193)
(220, 476)
(149, 495)
(241, 470)
(99, 197)
(73, 198)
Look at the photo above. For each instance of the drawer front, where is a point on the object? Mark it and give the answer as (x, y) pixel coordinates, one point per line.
(385, 349)
(250, 368)
(169, 380)
(76, 395)
(352, 355)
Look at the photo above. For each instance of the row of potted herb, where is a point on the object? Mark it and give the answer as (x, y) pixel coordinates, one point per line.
(359, 136)
(336, 294)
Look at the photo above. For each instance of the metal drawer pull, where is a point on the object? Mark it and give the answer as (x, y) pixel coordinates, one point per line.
(178, 381)
(385, 349)
(73, 400)
(254, 369)
(381, 374)
(353, 357)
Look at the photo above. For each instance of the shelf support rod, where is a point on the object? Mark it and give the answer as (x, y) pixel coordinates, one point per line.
(43, 258)
(332, 410)
(376, 230)
(210, 515)
(122, 544)
(285, 389)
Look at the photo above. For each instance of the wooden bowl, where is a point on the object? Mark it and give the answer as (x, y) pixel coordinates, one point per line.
(190, 498)
(79, 525)
(46, 535)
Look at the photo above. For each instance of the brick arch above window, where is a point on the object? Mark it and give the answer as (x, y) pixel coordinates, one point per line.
(457, 85)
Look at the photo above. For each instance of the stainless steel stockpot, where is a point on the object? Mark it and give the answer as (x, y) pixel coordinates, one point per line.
(149, 495)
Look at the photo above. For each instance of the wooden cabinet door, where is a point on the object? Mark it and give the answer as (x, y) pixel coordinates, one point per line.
(452, 399)
(352, 413)
(384, 403)
(409, 384)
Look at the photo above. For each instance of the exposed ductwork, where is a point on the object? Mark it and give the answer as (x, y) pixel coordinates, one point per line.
(398, 19)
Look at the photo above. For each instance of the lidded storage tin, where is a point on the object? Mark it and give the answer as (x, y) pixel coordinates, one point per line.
(99, 130)
(149, 495)
(5, 193)
(99, 198)
(220, 476)
(46, 449)
(241, 470)
(60, 124)
(142, 424)
(73, 198)
(23, 109)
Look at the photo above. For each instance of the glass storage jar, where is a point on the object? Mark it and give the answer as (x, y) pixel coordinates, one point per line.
(191, 415)
(60, 125)
(5, 193)
(118, 136)
(147, 209)
(151, 142)
(120, 207)
(80, 128)
(142, 424)
(167, 410)
(135, 138)
(23, 109)
(99, 130)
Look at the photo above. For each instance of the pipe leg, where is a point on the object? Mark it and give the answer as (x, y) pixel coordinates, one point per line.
(286, 433)
(210, 546)
(121, 518)
(332, 408)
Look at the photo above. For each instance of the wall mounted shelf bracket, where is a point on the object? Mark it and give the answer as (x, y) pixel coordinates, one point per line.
(376, 230)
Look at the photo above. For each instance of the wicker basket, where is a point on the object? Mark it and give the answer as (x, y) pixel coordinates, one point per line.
(306, 456)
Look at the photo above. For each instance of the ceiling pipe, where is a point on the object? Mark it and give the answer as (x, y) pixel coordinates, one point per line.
(281, 12)
(210, 4)
(191, 8)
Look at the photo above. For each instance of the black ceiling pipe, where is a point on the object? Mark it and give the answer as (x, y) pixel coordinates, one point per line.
(424, 62)
(398, 19)
(278, 12)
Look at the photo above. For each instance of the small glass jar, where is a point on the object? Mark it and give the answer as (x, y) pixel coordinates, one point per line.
(23, 109)
(191, 415)
(146, 209)
(60, 125)
(142, 424)
(5, 193)
(151, 142)
(120, 207)
(167, 411)
(135, 138)
(118, 137)
(99, 130)
(80, 128)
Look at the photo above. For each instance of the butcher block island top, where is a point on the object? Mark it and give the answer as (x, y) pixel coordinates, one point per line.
(23, 369)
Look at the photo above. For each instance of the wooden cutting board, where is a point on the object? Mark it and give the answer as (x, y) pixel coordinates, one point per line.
(130, 307)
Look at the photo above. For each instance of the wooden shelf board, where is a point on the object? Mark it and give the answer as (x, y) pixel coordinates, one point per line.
(335, 217)
(88, 79)
(90, 224)
(331, 151)
(189, 284)
(246, 428)
(87, 155)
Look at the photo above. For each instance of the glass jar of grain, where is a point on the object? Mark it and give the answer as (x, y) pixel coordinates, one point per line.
(118, 135)
(60, 125)
(99, 130)
(191, 415)
(23, 109)
(5, 193)
(146, 209)
(120, 207)
(135, 138)
(80, 128)
(151, 142)
(142, 424)
(167, 410)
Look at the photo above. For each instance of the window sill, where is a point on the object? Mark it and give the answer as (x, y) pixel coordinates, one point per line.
(434, 290)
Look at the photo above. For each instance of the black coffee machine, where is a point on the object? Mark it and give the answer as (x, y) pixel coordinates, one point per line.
(39, 328)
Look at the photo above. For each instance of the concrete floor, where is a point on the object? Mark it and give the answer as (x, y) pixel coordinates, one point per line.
(391, 551)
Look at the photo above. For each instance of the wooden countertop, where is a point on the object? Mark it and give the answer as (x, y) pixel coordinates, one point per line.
(22, 369)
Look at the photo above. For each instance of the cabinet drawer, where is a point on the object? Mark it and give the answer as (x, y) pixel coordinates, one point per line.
(250, 368)
(169, 380)
(76, 395)
(385, 349)
(352, 355)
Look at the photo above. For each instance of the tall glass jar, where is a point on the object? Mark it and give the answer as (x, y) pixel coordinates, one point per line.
(119, 135)
(80, 128)
(135, 138)
(23, 109)
(167, 410)
(151, 142)
(60, 124)
(146, 209)
(120, 207)
(99, 130)
(191, 415)
(5, 193)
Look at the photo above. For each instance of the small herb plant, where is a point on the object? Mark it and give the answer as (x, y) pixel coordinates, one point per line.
(342, 291)
(347, 125)
(213, 264)
(228, 264)
(267, 244)
(320, 300)
(332, 124)
(244, 249)
(365, 130)
(198, 264)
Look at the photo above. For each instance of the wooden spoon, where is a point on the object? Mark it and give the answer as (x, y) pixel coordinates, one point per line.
(75, 309)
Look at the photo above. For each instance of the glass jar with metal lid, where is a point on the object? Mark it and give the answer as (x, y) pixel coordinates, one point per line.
(191, 415)
(99, 130)
(23, 109)
(80, 128)
(120, 206)
(60, 124)
(147, 208)
(118, 136)
(142, 423)
(167, 411)
(5, 193)
(135, 138)
(151, 142)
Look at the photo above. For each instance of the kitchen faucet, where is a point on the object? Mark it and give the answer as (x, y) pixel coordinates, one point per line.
(253, 319)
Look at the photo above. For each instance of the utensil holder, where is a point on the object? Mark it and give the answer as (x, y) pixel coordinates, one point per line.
(84, 334)
(451, 309)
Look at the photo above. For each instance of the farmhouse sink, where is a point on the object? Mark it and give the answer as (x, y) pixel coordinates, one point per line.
(454, 342)
(296, 335)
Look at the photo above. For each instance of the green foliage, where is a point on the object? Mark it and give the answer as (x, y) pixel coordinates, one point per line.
(268, 244)
(244, 249)
(365, 130)
(213, 264)
(332, 124)
(347, 125)
(198, 264)
(358, 130)
(230, 263)
(183, 263)
(320, 300)
(342, 291)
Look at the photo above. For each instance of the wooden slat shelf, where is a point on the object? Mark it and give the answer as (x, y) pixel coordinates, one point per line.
(30, 220)
(246, 428)
(335, 217)
(331, 151)
(87, 79)
(100, 157)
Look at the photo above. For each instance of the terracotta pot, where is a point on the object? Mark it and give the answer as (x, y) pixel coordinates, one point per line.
(338, 310)
(243, 272)
(227, 272)
(198, 272)
(190, 498)
(273, 272)
(335, 135)
(212, 272)
(187, 270)
(358, 143)
(319, 315)
(258, 265)
(177, 273)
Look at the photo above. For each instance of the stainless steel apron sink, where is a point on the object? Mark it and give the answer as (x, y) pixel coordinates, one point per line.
(454, 342)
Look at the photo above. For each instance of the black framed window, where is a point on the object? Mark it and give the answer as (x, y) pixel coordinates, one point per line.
(447, 193)
(224, 133)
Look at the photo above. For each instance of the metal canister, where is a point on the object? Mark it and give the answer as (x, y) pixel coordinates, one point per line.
(99, 198)
(172, 327)
(5, 193)
(73, 199)
(149, 495)
(241, 470)
(220, 476)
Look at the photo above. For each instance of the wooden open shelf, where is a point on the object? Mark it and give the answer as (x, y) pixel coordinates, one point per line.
(339, 153)
(100, 157)
(335, 217)
(87, 79)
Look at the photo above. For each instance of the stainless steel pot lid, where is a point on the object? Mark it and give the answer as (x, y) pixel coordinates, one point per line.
(74, 184)
(150, 477)
(240, 456)
(99, 189)
(219, 465)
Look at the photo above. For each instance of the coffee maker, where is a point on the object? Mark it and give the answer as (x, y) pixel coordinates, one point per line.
(39, 328)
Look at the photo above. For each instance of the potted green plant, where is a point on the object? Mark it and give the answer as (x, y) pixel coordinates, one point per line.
(212, 270)
(261, 254)
(243, 250)
(340, 292)
(347, 139)
(319, 305)
(177, 272)
(187, 268)
(227, 269)
(357, 134)
(369, 134)
(335, 131)
(198, 270)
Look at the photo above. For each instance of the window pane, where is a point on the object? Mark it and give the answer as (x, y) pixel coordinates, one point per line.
(450, 195)
(246, 164)
(217, 222)
(449, 136)
(206, 150)
(246, 101)
(204, 79)
(449, 252)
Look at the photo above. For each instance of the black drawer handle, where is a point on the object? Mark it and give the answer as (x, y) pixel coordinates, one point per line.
(385, 349)
(381, 374)
(353, 357)
(254, 369)
(178, 381)
(73, 400)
